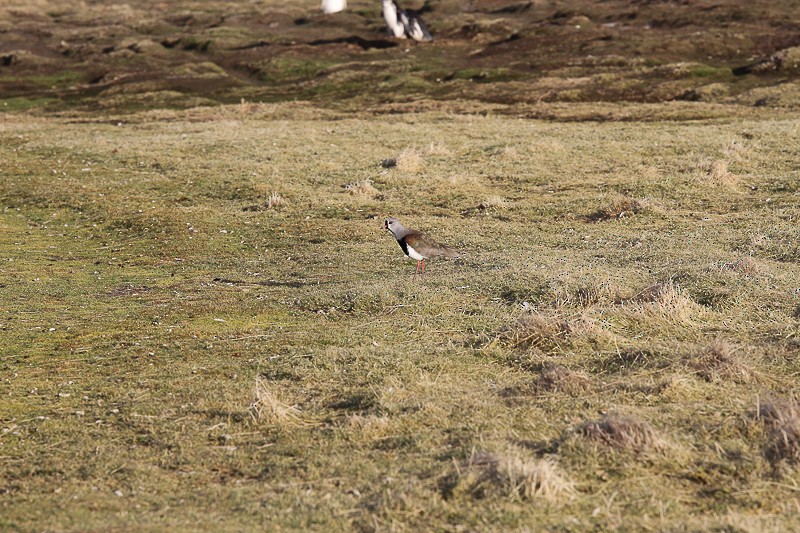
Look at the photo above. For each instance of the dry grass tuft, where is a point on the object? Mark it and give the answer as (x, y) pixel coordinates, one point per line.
(735, 149)
(673, 387)
(552, 378)
(491, 203)
(371, 427)
(717, 173)
(744, 265)
(268, 408)
(548, 333)
(760, 241)
(620, 207)
(560, 378)
(362, 188)
(585, 295)
(437, 150)
(665, 293)
(514, 475)
(274, 201)
(782, 419)
(462, 180)
(718, 362)
(666, 300)
(508, 152)
(410, 161)
(494, 202)
(624, 432)
(247, 108)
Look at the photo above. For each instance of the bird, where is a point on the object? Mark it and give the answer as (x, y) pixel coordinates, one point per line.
(414, 25)
(333, 6)
(401, 23)
(417, 245)
(404, 23)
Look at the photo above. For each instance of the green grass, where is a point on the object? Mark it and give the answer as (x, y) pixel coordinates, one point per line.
(21, 103)
(706, 71)
(483, 75)
(177, 354)
(293, 69)
(56, 79)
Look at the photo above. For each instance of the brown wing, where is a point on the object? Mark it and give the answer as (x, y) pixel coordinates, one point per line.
(427, 247)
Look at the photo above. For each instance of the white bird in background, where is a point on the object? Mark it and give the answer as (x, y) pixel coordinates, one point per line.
(401, 23)
(333, 6)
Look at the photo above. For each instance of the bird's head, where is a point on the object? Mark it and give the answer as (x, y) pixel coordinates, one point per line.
(394, 227)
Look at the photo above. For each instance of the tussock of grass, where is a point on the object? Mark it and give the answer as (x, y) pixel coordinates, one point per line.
(461, 180)
(631, 358)
(674, 387)
(664, 300)
(410, 161)
(247, 108)
(555, 377)
(620, 207)
(666, 294)
(736, 150)
(362, 188)
(584, 295)
(266, 407)
(395, 396)
(719, 362)
(509, 153)
(551, 332)
(782, 419)
(494, 202)
(438, 150)
(744, 265)
(491, 203)
(274, 201)
(623, 432)
(514, 474)
(552, 378)
(717, 173)
(371, 428)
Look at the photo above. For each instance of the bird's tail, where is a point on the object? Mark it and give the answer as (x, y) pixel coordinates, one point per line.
(452, 253)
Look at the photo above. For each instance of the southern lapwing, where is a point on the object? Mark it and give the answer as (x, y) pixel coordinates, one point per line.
(404, 22)
(417, 245)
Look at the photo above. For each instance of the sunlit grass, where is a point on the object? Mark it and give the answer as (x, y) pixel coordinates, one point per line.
(193, 315)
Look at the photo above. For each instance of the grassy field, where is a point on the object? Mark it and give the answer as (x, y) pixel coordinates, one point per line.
(204, 327)
(618, 348)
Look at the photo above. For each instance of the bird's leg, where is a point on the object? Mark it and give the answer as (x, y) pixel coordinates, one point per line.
(417, 270)
(423, 267)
